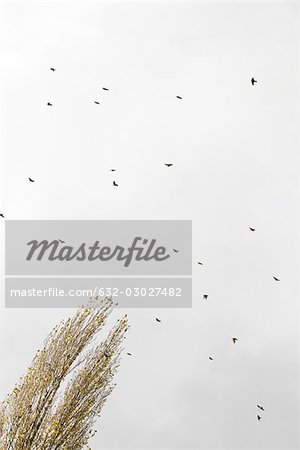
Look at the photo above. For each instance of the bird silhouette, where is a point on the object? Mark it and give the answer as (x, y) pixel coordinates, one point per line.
(157, 320)
(2, 215)
(178, 96)
(258, 417)
(105, 89)
(234, 340)
(49, 104)
(276, 279)
(168, 164)
(112, 170)
(30, 179)
(97, 103)
(253, 81)
(260, 407)
(52, 68)
(251, 229)
(129, 354)
(210, 358)
(115, 184)
(200, 263)
(205, 296)
(175, 251)
(63, 242)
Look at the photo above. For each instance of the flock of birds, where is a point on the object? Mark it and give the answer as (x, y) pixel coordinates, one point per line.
(168, 165)
(234, 340)
(115, 184)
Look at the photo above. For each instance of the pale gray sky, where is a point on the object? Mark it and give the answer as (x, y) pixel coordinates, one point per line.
(234, 149)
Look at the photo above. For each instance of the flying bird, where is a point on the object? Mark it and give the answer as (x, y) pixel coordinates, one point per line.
(63, 242)
(115, 184)
(52, 68)
(234, 340)
(30, 179)
(112, 170)
(157, 320)
(168, 164)
(175, 251)
(251, 229)
(200, 263)
(97, 103)
(253, 81)
(178, 96)
(258, 417)
(105, 89)
(49, 104)
(205, 296)
(2, 215)
(129, 354)
(260, 407)
(276, 279)
(210, 358)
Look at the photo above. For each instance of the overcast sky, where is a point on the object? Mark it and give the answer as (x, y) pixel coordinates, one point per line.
(234, 150)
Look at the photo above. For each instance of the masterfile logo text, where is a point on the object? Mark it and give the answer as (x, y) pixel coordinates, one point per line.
(140, 263)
